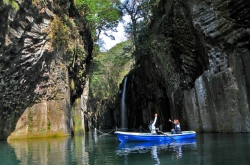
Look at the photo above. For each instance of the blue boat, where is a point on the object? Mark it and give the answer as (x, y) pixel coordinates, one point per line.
(144, 137)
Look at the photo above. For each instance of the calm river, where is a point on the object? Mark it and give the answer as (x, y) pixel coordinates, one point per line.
(206, 149)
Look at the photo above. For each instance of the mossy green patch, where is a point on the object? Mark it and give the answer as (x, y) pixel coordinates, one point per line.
(36, 136)
(77, 117)
(12, 3)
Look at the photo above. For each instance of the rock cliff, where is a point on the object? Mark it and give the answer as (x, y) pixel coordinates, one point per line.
(45, 51)
(193, 65)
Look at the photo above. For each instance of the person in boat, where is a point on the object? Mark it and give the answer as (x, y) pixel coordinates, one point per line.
(154, 126)
(177, 126)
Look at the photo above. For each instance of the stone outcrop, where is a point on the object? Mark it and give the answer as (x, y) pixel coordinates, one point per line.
(45, 52)
(194, 67)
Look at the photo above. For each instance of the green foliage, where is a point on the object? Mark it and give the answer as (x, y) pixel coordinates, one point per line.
(61, 32)
(100, 14)
(108, 70)
(141, 15)
(12, 3)
(65, 35)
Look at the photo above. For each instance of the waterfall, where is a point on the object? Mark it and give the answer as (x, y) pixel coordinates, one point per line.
(124, 123)
(173, 101)
(173, 113)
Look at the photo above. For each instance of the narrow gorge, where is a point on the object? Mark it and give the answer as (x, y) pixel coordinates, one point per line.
(191, 64)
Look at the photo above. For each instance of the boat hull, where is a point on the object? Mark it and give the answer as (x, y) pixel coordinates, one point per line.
(136, 136)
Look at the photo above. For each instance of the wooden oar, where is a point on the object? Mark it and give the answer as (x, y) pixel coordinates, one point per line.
(166, 135)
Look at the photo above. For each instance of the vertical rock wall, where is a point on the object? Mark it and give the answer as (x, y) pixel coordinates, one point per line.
(79, 109)
(221, 101)
(42, 50)
(194, 66)
(48, 117)
(222, 91)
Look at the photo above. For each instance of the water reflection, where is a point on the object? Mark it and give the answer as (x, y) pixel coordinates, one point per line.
(50, 150)
(107, 150)
(85, 150)
(175, 148)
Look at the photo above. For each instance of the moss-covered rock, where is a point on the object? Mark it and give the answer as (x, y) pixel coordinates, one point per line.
(44, 46)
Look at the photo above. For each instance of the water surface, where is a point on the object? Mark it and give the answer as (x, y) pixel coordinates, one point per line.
(205, 149)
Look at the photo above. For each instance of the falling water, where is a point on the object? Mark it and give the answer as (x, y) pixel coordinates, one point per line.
(173, 101)
(124, 124)
(173, 106)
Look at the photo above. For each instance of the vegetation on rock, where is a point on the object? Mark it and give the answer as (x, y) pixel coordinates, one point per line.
(108, 70)
(106, 74)
(12, 3)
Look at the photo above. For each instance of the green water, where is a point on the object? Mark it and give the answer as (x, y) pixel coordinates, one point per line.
(206, 149)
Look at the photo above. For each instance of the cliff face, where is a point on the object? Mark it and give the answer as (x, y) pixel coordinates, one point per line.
(194, 67)
(44, 55)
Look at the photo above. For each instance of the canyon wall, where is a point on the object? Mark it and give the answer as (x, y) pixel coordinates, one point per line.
(44, 55)
(193, 65)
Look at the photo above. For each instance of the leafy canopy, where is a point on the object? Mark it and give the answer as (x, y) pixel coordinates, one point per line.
(108, 70)
(102, 15)
(140, 13)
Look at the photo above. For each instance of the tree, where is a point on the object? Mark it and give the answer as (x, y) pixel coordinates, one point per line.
(140, 13)
(108, 70)
(102, 15)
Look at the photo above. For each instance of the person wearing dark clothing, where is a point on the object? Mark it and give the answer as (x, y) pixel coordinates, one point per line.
(177, 126)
